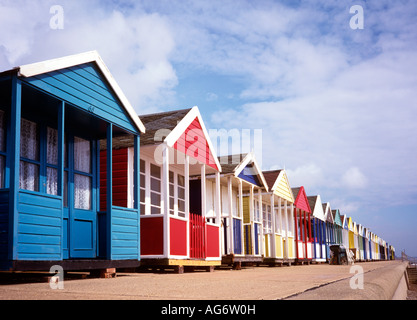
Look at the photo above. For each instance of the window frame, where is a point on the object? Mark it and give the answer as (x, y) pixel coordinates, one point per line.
(145, 187)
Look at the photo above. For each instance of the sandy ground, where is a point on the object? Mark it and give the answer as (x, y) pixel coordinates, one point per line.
(255, 283)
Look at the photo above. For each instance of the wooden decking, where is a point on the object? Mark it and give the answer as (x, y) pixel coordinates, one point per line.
(178, 265)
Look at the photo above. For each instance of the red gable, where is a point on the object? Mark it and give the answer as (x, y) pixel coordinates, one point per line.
(301, 201)
(194, 143)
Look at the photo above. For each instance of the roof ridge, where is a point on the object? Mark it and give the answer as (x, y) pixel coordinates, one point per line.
(163, 112)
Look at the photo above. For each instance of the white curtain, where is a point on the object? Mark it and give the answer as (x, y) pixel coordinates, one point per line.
(82, 192)
(82, 184)
(29, 176)
(52, 146)
(82, 155)
(29, 142)
(29, 148)
(52, 181)
(52, 158)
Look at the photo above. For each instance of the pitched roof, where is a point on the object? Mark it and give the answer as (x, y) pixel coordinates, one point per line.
(300, 199)
(231, 162)
(47, 66)
(312, 201)
(173, 126)
(271, 177)
(295, 192)
(239, 163)
(160, 121)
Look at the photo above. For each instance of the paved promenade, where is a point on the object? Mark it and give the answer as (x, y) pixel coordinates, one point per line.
(254, 283)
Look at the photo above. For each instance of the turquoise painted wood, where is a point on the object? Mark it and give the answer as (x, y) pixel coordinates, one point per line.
(4, 225)
(37, 226)
(84, 87)
(125, 230)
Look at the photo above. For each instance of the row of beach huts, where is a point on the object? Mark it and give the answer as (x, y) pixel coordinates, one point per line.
(87, 184)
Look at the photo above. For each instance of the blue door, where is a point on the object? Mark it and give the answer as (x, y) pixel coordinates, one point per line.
(80, 214)
(237, 236)
(256, 230)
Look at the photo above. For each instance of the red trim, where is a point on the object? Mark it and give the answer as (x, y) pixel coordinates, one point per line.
(178, 237)
(213, 241)
(197, 236)
(301, 201)
(194, 143)
(151, 236)
(296, 231)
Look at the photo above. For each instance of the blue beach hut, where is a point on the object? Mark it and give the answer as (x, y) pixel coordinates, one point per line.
(54, 118)
(318, 225)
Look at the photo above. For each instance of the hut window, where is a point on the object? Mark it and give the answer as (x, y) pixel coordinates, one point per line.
(2, 148)
(181, 196)
(142, 186)
(29, 153)
(266, 217)
(257, 209)
(82, 174)
(52, 161)
(155, 189)
(171, 193)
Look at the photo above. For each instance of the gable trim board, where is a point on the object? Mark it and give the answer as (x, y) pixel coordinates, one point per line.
(280, 186)
(191, 117)
(35, 69)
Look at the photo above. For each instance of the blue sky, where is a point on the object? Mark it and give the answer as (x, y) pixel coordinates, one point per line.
(336, 106)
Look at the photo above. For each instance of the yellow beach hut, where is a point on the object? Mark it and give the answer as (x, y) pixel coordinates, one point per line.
(278, 223)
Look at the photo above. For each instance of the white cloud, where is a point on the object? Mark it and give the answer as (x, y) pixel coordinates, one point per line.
(310, 176)
(136, 46)
(353, 178)
(337, 107)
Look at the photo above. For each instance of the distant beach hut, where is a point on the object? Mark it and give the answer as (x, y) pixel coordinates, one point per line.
(302, 214)
(366, 244)
(241, 177)
(329, 228)
(351, 226)
(377, 255)
(345, 231)
(278, 239)
(337, 227)
(318, 228)
(392, 252)
(382, 249)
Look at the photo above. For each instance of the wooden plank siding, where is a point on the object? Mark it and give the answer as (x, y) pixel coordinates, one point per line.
(283, 189)
(120, 178)
(193, 143)
(246, 210)
(4, 225)
(39, 227)
(83, 86)
(125, 234)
